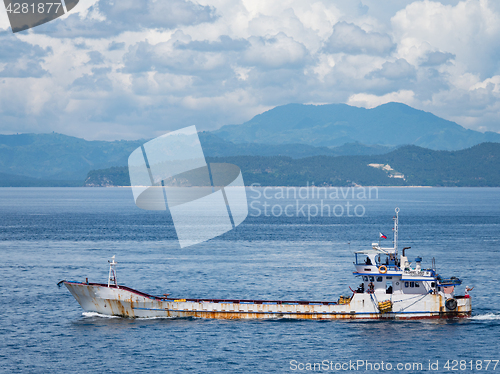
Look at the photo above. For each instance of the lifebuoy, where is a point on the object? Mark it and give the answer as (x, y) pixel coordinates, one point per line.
(382, 269)
(451, 304)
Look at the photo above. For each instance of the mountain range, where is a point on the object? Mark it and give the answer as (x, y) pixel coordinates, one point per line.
(391, 124)
(59, 160)
(57, 157)
(296, 131)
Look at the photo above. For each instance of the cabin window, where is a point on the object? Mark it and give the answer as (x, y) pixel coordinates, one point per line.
(371, 279)
(412, 284)
(382, 260)
(365, 278)
(388, 288)
(379, 279)
(416, 284)
(406, 284)
(388, 277)
(362, 259)
(433, 284)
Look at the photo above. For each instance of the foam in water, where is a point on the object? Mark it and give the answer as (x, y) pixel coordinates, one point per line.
(487, 316)
(94, 314)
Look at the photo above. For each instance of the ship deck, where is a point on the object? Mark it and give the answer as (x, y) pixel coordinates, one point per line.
(207, 300)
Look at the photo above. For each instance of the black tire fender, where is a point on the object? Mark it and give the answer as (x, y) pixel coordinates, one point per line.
(451, 304)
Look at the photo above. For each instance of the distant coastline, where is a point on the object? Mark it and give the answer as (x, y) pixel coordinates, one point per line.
(408, 166)
(55, 160)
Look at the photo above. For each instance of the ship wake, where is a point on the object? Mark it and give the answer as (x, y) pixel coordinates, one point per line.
(487, 316)
(95, 314)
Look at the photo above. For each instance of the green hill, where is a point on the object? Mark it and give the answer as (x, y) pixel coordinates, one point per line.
(214, 146)
(475, 167)
(61, 160)
(60, 157)
(478, 166)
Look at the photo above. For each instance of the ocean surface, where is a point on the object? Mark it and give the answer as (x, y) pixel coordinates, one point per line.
(50, 234)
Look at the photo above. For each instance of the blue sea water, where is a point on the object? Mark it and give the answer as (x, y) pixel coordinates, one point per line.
(50, 234)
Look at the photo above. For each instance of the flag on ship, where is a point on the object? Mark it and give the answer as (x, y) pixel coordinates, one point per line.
(382, 236)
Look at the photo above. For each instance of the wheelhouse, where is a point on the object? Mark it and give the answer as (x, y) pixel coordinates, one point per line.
(383, 270)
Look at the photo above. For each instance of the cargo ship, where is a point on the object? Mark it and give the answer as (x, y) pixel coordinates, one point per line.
(392, 287)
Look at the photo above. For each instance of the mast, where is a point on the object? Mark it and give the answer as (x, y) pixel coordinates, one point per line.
(396, 224)
(112, 272)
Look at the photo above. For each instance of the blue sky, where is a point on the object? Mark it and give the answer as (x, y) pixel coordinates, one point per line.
(128, 69)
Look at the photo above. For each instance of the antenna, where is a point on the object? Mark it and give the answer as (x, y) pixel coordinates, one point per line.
(396, 225)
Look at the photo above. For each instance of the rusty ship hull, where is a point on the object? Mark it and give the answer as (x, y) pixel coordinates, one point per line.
(122, 301)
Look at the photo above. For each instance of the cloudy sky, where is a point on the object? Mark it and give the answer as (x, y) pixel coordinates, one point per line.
(123, 69)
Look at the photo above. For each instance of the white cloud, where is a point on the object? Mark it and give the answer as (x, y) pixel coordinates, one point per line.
(493, 83)
(275, 52)
(107, 18)
(468, 30)
(20, 59)
(397, 70)
(371, 101)
(132, 69)
(352, 39)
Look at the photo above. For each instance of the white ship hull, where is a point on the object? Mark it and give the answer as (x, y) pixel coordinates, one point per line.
(126, 302)
(391, 288)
